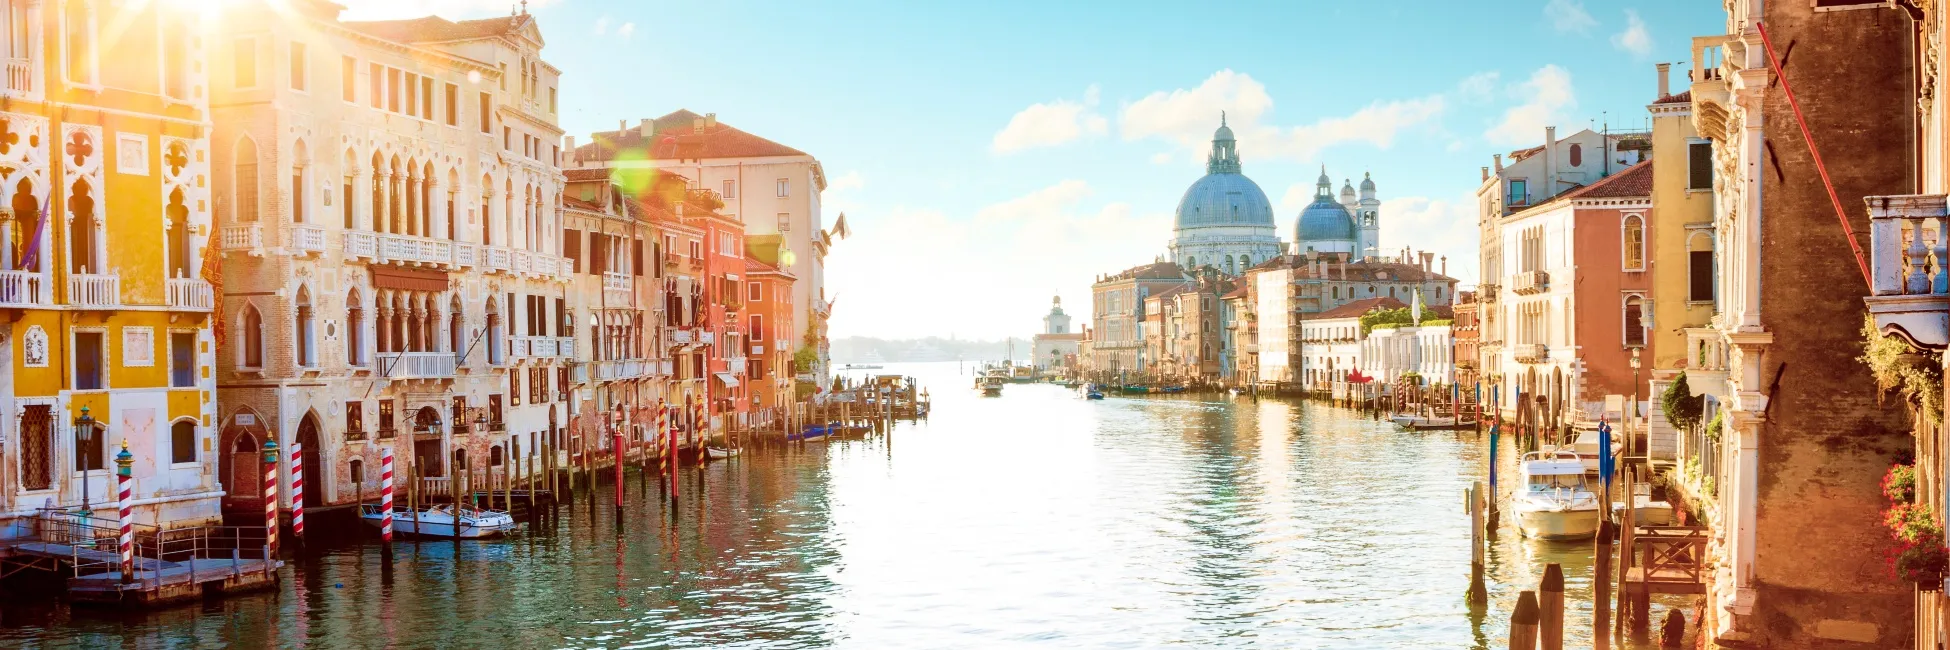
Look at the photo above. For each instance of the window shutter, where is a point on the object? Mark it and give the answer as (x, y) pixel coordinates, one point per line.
(1699, 166)
(636, 259)
(572, 248)
(595, 253)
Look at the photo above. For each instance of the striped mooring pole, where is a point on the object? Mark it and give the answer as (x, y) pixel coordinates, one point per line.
(123, 461)
(298, 492)
(386, 494)
(270, 497)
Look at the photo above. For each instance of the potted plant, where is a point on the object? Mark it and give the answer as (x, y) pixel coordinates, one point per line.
(1900, 484)
(1922, 563)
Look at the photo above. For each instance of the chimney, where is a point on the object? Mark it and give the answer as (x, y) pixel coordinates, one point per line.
(569, 149)
(1499, 162)
(1428, 261)
(1486, 174)
(1665, 87)
(621, 126)
(697, 125)
(1550, 163)
(1445, 265)
(710, 120)
(644, 128)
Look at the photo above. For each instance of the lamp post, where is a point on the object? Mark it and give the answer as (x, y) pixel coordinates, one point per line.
(84, 434)
(1635, 396)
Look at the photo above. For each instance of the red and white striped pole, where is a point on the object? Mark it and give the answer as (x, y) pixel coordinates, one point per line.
(270, 498)
(298, 492)
(386, 494)
(123, 487)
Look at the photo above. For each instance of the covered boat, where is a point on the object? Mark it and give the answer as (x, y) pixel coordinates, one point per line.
(442, 521)
(1554, 502)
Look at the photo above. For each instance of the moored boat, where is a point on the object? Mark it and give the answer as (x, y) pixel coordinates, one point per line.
(1554, 502)
(719, 453)
(442, 521)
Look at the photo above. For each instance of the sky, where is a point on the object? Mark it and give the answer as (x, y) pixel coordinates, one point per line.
(991, 155)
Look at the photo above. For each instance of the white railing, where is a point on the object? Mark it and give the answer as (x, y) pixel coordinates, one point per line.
(497, 258)
(191, 294)
(309, 239)
(417, 365)
(405, 248)
(665, 367)
(616, 288)
(24, 289)
(94, 290)
(680, 337)
(1910, 267)
(361, 244)
(541, 346)
(1530, 282)
(465, 255)
(20, 75)
(248, 237)
(518, 346)
(735, 365)
(565, 346)
(544, 265)
(707, 338)
(1530, 352)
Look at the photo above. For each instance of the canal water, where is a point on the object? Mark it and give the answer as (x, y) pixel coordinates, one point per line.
(1034, 519)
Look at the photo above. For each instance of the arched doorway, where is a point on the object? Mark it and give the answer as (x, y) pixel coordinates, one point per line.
(314, 469)
(246, 463)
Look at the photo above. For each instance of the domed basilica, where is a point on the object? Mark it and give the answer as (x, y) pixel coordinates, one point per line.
(1224, 220)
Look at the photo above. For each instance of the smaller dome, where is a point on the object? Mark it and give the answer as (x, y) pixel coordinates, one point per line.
(1367, 182)
(1347, 190)
(1324, 221)
(1224, 133)
(1324, 180)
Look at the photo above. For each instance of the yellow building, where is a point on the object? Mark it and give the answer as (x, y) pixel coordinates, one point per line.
(1682, 254)
(104, 215)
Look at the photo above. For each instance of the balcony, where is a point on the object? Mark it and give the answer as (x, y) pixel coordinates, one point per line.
(681, 337)
(1706, 361)
(735, 365)
(24, 289)
(1712, 93)
(1910, 294)
(466, 255)
(541, 347)
(1486, 292)
(417, 365)
(623, 369)
(94, 290)
(1530, 352)
(248, 238)
(498, 258)
(191, 294)
(307, 240)
(20, 76)
(415, 251)
(355, 434)
(1530, 283)
(617, 288)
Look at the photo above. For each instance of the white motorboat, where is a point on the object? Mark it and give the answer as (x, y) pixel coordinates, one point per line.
(1554, 502)
(719, 453)
(1413, 421)
(441, 521)
(1586, 448)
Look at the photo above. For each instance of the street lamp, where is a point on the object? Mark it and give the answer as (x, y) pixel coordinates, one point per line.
(84, 433)
(1635, 392)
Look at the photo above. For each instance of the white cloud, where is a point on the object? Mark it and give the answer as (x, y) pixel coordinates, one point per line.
(1048, 202)
(602, 25)
(626, 31)
(847, 181)
(1186, 118)
(1160, 158)
(1568, 16)
(1444, 227)
(1635, 38)
(990, 273)
(1051, 124)
(1478, 88)
(450, 9)
(1297, 196)
(1547, 98)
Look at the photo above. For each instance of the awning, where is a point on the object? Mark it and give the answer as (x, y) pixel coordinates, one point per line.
(405, 279)
(729, 380)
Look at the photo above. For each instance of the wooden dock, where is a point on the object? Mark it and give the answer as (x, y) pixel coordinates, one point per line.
(168, 566)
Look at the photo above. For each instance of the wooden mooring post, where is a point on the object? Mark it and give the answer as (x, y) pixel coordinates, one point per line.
(1478, 592)
(1523, 622)
(1601, 587)
(1550, 608)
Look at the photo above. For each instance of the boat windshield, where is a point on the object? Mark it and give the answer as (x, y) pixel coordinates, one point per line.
(1547, 482)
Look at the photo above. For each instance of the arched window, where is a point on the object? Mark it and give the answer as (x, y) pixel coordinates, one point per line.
(351, 172)
(493, 333)
(244, 180)
(1191, 262)
(84, 249)
(251, 328)
(1634, 243)
(182, 442)
(298, 195)
(1634, 321)
(80, 43)
(178, 214)
(355, 329)
(457, 330)
(1577, 155)
(303, 330)
(377, 218)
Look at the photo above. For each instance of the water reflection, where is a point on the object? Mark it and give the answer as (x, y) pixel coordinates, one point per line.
(1038, 518)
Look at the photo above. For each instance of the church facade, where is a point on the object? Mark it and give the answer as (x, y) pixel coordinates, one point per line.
(1224, 221)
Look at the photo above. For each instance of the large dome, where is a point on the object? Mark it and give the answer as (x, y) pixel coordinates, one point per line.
(1324, 220)
(1224, 199)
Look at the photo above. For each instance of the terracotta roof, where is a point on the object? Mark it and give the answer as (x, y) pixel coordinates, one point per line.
(1370, 272)
(1357, 308)
(1681, 98)
(676, 136)
(1169, 292)
(587, 174)
(1521, 154)
(1235, 293)
(1153, 271)
(1633, 181)
(579, 204)
(434, 29)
